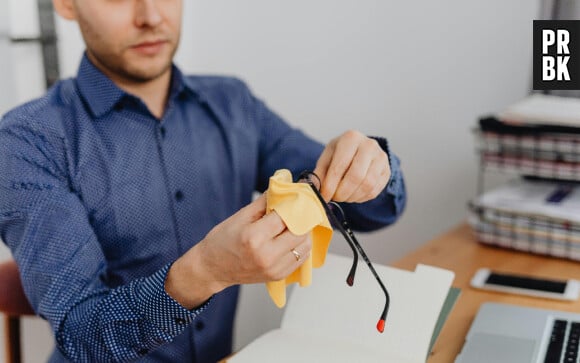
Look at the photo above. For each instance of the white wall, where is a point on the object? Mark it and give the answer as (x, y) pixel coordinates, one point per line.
(419, 73)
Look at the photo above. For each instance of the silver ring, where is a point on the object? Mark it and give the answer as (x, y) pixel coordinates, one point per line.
(296, 254)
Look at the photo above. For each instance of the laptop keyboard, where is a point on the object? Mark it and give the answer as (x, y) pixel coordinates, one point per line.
(563, 345)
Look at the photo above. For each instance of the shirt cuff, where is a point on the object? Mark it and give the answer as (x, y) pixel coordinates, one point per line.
(384, 144)
(395, 186)
(160, 308)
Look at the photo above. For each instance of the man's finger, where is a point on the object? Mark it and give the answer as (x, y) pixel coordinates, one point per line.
(341, 160)
(324, 161)
(301, 253)
(383, 181)
(283, 248)
(374, 174)
(353, 182)
(270, 225)
(255, 210)
(285, 242)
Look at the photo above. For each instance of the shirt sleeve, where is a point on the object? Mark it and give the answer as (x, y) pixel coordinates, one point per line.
(44, 223)
(282, 146)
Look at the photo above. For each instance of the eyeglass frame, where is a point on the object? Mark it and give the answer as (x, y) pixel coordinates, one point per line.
(348, 234)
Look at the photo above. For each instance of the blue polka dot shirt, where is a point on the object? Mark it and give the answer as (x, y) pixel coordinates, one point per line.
(98, 197)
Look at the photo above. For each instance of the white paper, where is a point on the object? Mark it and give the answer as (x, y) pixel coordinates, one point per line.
(545, 110)
(530, 198)
(332, 322)
(281, 346)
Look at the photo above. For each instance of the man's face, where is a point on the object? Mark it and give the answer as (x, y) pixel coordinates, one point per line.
(130, 39)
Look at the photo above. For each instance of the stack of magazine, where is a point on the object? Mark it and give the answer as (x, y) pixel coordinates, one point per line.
(530, 215)
(539, 140)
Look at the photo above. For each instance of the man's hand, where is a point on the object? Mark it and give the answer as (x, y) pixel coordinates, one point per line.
(352, 168)
(249, 247)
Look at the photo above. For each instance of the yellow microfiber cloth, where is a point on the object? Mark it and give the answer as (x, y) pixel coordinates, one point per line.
(302, 212)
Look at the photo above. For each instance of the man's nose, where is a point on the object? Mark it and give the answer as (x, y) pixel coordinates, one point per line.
(147, 13)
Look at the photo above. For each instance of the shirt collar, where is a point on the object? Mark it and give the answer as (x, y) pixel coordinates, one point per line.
(99, 92)
(102, 94)
(188, 85)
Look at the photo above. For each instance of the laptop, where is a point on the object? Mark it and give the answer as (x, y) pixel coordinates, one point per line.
(503, 333)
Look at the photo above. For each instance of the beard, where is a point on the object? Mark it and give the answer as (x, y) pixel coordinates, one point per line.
(133, 71)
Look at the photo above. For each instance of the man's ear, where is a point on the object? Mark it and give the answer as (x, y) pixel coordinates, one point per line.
(65, 8)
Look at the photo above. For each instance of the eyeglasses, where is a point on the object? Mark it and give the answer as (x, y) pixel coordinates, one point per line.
(342, 225)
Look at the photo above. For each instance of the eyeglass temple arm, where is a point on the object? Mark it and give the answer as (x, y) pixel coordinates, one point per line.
(335, 222)
(348, 235)
(354, 241)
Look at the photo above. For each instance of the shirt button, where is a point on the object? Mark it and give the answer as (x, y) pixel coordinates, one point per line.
(162, 131)
(179, 195)
(143, 351)
(199, 325)
(179, 320)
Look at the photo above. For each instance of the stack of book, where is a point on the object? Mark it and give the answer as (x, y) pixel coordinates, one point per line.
(539, 136)
(538, 139)
(530, 215)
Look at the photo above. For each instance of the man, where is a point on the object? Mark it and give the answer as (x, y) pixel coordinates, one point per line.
(126, 193)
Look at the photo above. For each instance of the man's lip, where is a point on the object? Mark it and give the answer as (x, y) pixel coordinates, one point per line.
(149, 43)
(150, 48)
